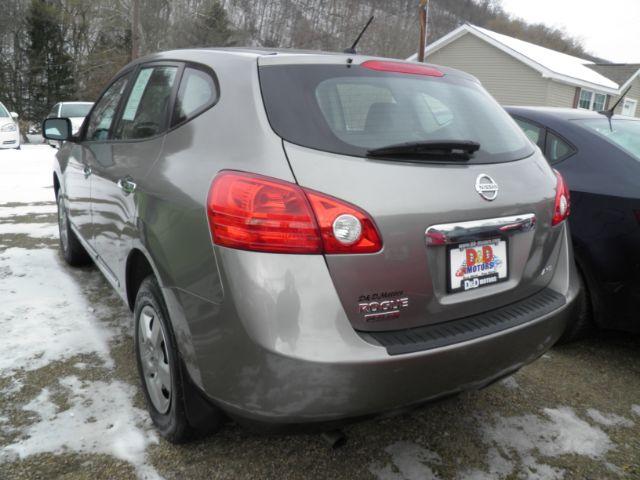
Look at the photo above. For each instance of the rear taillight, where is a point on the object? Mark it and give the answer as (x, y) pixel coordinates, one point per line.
(400, 67)
(562, 206)
(252, 212)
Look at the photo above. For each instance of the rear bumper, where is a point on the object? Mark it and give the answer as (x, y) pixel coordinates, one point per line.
(280, 349)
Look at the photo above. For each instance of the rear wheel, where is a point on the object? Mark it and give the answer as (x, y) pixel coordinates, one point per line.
(165, 385)
(72, 250)
(582, 323)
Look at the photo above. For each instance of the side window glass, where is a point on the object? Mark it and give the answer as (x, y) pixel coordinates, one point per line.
(104, 112)
(146, 111)
(197, 92)
(557, 149)
(533, 132)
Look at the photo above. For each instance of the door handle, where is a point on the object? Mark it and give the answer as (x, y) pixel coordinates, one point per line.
(87, 171)
(127, 185)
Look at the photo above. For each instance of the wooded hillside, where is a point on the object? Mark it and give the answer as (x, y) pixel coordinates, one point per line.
(54, 50)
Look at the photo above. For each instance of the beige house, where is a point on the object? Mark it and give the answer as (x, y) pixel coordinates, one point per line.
(522, 73)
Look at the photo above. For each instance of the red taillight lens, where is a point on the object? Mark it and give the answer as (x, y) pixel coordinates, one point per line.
(562, 206)
(400, 67)
(252, 212)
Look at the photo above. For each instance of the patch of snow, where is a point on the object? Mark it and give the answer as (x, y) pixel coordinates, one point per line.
(499, 467)
(8, 212)
(635, 409)
(101, 419)
(609, 419)
(409, 462)
(14, 387)
(510, 382)
(27, 174)
(44, 315)
(522, 438)
(36, 230)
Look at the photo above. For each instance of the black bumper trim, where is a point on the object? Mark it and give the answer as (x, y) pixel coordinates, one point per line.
(461, 330)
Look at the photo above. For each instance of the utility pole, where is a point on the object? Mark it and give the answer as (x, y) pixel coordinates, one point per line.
(135, 29)
(422, 12)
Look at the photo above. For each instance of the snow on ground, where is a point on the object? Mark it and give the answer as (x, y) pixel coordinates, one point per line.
(34, 230)
(36, 210)
(635, 409)
(100, 419)
(517, 447)
(27, 175)
(409, 462)
(609, 419)
(46, 317)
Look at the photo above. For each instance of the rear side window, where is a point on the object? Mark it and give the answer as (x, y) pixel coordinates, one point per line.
(557, 148)
(198, 91)
(147, 109)
(532, 131)
(350, 110)
(104, 112)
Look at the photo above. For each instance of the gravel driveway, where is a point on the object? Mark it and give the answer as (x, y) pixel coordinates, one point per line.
(70, 406)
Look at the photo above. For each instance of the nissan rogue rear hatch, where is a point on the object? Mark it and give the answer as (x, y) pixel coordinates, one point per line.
(462, 200)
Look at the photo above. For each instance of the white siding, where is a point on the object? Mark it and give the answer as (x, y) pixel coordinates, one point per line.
(560, 95)
(634, 93)
(510, 81)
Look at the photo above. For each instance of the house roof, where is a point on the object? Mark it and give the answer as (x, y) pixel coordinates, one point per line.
(550, 63)
(621, 73)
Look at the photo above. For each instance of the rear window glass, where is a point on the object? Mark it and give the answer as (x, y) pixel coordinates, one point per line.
(75, 110)
(350, 110)
(622, 133)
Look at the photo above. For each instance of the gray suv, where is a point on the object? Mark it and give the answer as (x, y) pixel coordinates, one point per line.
(307, 237)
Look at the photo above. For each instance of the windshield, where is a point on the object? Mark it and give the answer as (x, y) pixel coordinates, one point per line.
(3, 111)
(351, 110)
(622, 133)
(71, 110)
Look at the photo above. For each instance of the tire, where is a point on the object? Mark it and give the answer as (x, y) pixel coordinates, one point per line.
(72, 250)
(582, 324)
(165, 384)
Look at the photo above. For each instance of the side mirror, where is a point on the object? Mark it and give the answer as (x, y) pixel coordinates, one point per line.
(57, 129)
(14, 115)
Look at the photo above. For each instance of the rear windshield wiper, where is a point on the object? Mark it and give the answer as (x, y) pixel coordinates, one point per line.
(428, 149)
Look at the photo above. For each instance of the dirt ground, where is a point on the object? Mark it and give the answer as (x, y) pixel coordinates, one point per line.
(70, 406)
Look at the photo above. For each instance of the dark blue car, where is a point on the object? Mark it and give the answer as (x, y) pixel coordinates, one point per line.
(600, 161)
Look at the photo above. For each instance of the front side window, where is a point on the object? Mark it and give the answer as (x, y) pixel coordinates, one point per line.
(147, 108)
(102, 116)
(557, 148)
(197, 92)
(351, 110)
(3, 111)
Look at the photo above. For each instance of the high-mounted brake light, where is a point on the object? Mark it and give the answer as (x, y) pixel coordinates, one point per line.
(400, 67)
(562, 206)
(253, 212)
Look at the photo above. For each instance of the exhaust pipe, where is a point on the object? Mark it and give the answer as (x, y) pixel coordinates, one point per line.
(335, 438)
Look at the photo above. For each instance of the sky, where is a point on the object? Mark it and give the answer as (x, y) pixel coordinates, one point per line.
(608, 29)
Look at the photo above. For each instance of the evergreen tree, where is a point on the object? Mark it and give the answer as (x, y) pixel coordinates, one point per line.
(50, 67)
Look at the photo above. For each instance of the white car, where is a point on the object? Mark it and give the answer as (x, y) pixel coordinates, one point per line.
(9, 129)
(74, 111)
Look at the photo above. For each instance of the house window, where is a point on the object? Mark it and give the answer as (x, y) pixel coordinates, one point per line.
(629, 107)
(592, 101)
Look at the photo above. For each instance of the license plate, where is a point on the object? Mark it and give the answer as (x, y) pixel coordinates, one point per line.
(477, 264)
